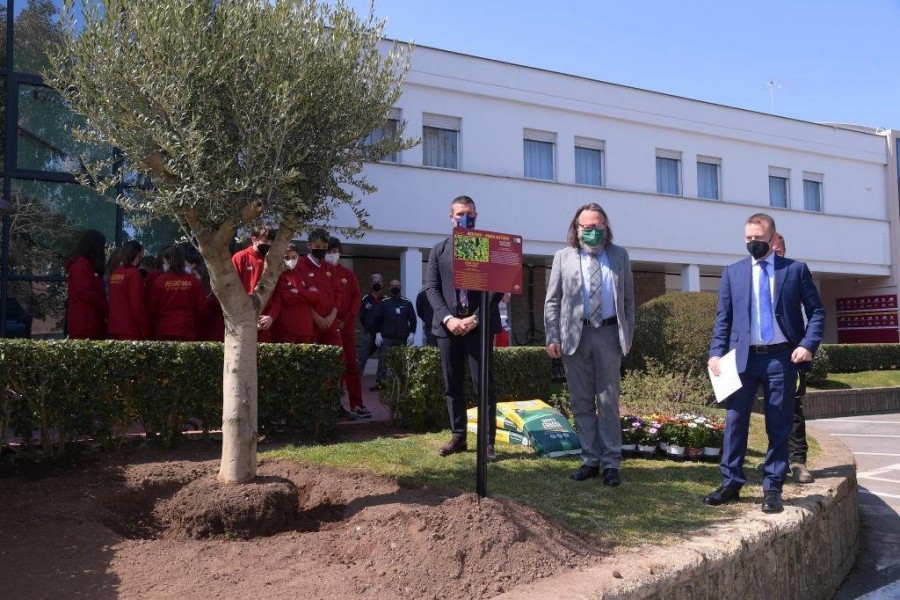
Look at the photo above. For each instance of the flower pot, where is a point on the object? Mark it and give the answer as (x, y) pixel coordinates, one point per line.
(673, 450)
(663, 446)
(646, 448)
(712, 452)
(693, 452)
(629, 447)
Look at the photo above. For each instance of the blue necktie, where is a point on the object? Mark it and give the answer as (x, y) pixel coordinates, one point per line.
(766, 328)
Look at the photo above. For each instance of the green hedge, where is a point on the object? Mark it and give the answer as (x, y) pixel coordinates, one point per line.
(73, 389)
(853, 358)
(673, 331)
(415, 390)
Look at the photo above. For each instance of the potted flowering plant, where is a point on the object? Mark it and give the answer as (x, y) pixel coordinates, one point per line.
(631, 432)
(675, 435)
(715, 437)
(650, 436)
(695, 437)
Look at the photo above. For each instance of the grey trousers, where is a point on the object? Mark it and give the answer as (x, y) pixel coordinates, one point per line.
(592, 373)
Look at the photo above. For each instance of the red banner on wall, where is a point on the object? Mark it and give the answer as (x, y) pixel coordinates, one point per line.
(867, 319)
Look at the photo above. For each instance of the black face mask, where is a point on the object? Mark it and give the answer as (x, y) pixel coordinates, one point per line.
(757, 248)
(263, 248)
(376, 287)
(319, 253)
(395, 291)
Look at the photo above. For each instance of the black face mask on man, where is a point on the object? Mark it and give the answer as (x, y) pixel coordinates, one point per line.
(395, 291)
(376, 287)
(318, 253)
(758, 248)
(263, 249)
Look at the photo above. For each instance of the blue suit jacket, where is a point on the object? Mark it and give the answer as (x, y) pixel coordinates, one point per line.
(794, 289)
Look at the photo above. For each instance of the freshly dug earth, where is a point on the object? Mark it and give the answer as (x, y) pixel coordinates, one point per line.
(128, 527)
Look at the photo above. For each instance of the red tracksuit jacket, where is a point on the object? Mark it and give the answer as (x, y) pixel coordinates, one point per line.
(350, 295)
(127, 308)
(177, 302)
(291, 307)
(87, 307)
(324, 279)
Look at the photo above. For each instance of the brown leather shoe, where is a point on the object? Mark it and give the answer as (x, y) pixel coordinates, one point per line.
(801, 474)
(456, 444)
(491, 455)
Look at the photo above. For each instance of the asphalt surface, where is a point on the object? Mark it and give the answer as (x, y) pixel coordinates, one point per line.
(875, 443)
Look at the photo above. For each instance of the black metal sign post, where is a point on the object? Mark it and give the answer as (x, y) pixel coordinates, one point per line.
(484, 372)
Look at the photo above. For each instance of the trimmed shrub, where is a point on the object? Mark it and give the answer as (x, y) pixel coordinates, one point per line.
(853, 358)
(821, 366)
(674, 331)
(73, 389)
(655, 390)
(415, 386)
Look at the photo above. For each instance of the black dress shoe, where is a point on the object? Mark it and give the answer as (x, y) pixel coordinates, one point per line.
(585, 472)
(772, 502)
(611, 477)
(722, 495)
(456, 444)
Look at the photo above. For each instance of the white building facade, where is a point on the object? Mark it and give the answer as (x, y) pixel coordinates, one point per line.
(677, 177)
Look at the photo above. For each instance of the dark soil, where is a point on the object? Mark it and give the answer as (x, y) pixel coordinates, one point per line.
(152, 524)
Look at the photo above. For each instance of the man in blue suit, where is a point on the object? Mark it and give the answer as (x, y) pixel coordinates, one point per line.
(759, 316)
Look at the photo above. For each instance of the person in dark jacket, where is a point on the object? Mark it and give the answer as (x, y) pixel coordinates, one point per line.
(395, 320)
(86, 309)
(127, 307)
(426, 315)
(367, 320)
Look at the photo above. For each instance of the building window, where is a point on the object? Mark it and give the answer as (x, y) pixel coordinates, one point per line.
(589, 161)
(388, 130)
(779, 187)
(440, 141)
(540, 154)
(709, 178)
(812, 192)
(668, 172)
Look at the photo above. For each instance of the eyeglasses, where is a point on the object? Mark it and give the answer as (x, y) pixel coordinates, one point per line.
(591, 227)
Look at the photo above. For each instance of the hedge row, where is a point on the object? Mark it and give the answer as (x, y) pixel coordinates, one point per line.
(415, 390)
(852, 358)
(66, 390)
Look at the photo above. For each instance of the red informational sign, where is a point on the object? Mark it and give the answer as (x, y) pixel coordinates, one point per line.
(867, 319)
(487, 261)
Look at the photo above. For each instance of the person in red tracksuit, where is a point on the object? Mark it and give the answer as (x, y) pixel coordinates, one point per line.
(86, 308)
(249, 264)
(127, 308)
(291, 306)
(351, 298)
(319, 274)
(177, 301)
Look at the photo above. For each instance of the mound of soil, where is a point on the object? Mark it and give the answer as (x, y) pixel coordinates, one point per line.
(129, 528)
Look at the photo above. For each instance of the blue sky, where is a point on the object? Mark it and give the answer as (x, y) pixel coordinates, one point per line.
(833, 60)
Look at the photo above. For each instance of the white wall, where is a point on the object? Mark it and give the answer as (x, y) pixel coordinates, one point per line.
(497, 101)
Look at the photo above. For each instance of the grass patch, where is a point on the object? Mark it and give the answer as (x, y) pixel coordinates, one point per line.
(659, 499)
(864, 379)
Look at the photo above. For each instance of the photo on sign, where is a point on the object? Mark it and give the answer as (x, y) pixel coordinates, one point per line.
(476, 249)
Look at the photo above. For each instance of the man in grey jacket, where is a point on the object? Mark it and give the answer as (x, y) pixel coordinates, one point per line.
(589, 323)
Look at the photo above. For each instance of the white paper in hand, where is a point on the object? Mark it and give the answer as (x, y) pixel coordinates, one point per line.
(728, 381)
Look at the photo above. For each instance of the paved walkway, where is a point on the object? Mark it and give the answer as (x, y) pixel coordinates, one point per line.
(874, 441)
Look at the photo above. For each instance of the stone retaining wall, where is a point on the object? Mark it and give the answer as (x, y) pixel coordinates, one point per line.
(804, 552)
(823, 404)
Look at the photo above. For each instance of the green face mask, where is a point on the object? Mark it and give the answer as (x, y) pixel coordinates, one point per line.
(593, 237)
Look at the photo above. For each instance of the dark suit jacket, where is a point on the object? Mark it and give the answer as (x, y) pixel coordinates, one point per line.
(794, 289)
(442, 294)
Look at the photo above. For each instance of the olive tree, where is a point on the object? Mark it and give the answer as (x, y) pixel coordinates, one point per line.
(241, 111)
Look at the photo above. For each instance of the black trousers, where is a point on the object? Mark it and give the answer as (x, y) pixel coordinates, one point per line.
(457, 352)
(797, 446)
